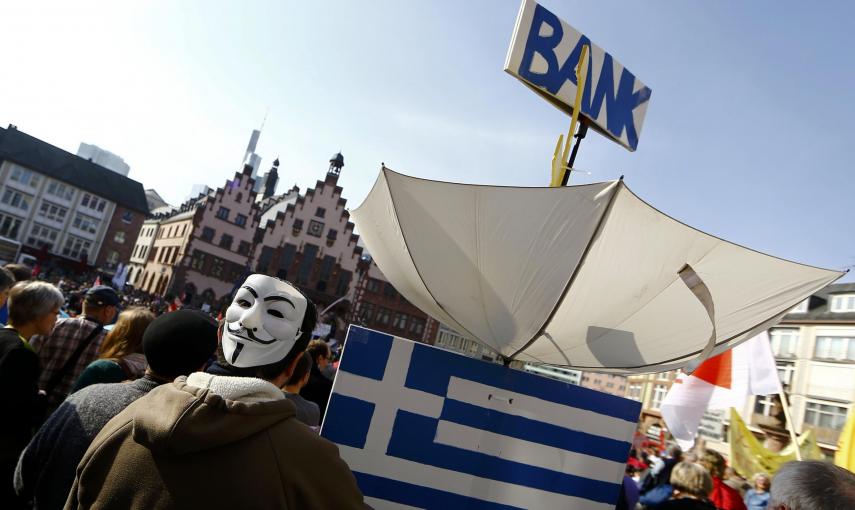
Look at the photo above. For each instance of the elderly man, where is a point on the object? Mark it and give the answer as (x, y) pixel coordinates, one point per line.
(73, 344)
(32, 310)
(224, 441)
(812, 485)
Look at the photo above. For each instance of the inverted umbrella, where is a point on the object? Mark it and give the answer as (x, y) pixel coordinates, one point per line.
(589, 277)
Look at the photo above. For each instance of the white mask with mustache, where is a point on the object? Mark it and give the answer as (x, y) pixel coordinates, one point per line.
(263, 322)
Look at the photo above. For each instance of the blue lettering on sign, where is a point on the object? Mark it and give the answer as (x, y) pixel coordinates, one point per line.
(620, 104)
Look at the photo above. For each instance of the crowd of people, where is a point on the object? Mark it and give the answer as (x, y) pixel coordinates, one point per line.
(114, 402)
(681, 480)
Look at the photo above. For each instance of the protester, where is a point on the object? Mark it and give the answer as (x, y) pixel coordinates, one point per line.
(74, 343)
(120, 357)
(21, 272)
(223, 441)
(628, 497)
(812, 485)
(32, 310)
(692, 485)
(757, 498)
(307, 412)
(722, 496)
(7, 280)
(175, 344)
(319, 387)
(732, 479)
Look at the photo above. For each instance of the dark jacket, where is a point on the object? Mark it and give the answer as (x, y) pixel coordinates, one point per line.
(317, 390)
(46, 469)
(22, 406)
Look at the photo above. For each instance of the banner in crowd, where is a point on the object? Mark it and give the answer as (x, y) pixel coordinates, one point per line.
(544, 53)
(748, 457)
(845, 455)
(427, 428)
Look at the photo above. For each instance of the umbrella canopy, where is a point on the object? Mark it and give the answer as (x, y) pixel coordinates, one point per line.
(588, 276)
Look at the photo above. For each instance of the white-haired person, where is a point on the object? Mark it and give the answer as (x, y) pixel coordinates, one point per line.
(33, 307)
(812, 485)
(757, 497)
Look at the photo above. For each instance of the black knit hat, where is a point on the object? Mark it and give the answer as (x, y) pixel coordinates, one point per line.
(179, 342)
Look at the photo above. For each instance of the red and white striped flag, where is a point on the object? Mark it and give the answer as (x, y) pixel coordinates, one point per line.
(720, 382)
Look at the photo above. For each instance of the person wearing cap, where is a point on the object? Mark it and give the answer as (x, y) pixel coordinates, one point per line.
(175, 344)
(32, 309)
(74, 344)
(224, 441)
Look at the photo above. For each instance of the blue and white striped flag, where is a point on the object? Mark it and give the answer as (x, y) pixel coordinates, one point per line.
(422, 427)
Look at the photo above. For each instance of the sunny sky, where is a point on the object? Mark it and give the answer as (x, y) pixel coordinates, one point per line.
(748, 135)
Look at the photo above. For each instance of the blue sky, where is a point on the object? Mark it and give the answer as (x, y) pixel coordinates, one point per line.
(748, 135)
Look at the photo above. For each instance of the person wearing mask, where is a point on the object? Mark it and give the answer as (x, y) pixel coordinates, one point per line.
(319, 387)
(722, 496)
(175, 344)
(32, 310)
(812, 485)
(691, 484)
(74, 343)
(120, 357)
(223, 441)
(757, 498)
(307, 412)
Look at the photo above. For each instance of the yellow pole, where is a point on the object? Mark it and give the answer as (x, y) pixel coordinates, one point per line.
(559, 163)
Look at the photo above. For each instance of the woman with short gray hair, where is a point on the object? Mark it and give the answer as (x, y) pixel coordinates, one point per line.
(692, 485)
(33, 307)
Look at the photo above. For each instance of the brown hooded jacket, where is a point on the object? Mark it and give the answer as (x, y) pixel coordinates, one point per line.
(184, 446)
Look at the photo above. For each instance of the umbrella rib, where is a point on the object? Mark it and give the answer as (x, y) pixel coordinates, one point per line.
(560, 301)
(416, 267)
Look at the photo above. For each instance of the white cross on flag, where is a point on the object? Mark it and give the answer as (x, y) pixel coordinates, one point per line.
(421, 427)
(720, 382)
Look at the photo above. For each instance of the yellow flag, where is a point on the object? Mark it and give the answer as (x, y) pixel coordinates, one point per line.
(748, 456)
(845, 456)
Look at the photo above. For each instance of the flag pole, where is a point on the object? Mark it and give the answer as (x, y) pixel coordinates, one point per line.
(560, 172)
(789, 423)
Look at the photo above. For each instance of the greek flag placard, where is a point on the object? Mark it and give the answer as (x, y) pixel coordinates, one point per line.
(421, 427)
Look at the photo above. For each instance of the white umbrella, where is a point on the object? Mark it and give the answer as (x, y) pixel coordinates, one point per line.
(585, 276)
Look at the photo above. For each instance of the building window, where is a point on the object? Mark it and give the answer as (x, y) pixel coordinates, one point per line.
(785, 342)
(310, 251)
(316, 228)
(764, 405)
(825, 415)
(243, 248)
(226, 241)
(298, 225)
(838, 348)
(76, 248)
(16, 199)
(119, 237)
(286, 258)
(198, 260)
(217, 267)
(9, 226)
(41, 236)
(373, 285)
(400, 321)
(207, 234)
(240, 220)
(366, 312)
(659, 392)
(343, 282)
(93, 202)
(60, 190)
(85, 223)
(383, 316)
(264, 259)
(320, 212)
(417, 326)
(127, 216)
(52, 212)
(25, 177)
(389, 291)
(113, 257)
(843, 303)
(786, 369)
(223, 213)
(634, 392)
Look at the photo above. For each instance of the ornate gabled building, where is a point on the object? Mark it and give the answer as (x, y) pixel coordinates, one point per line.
(308, 240)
